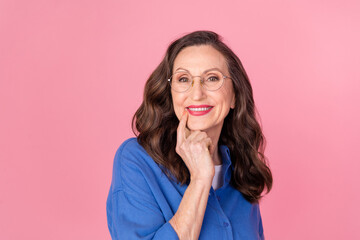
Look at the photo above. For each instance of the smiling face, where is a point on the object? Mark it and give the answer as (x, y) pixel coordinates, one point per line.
(207, 109)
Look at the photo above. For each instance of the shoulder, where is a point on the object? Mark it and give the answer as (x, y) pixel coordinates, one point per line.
(130, 145)
(131, 166)
(131, 151)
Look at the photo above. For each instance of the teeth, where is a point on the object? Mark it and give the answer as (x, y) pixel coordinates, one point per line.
(199, 109)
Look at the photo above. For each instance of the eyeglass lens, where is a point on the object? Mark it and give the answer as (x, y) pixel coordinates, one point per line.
(182, 80)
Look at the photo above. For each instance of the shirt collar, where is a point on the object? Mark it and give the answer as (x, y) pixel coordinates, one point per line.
(226, 161)
(225, 155)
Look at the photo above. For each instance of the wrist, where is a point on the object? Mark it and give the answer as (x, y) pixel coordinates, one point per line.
(202, 181)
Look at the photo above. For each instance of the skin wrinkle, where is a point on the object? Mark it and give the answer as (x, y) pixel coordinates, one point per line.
(241, 132)
(237, 129)
(195, 144)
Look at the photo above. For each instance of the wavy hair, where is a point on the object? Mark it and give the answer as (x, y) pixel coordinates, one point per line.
(155, 122)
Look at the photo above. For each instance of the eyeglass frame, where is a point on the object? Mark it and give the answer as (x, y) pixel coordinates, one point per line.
(201, 79)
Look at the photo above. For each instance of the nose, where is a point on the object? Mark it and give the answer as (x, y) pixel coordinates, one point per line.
(197, 91)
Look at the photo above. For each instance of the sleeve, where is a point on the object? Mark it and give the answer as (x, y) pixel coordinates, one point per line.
(132, 211)
(136, 218)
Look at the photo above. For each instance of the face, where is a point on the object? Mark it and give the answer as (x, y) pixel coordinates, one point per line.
(207, 109)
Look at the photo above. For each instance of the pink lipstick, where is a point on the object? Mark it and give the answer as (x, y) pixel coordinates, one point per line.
(199, 110)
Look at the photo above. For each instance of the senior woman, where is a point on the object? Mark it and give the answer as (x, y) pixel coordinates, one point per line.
(196, 169)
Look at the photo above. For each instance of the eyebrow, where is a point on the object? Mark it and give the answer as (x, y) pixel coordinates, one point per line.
(211, 69)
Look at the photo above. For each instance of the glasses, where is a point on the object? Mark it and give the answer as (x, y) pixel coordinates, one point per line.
(211, 80)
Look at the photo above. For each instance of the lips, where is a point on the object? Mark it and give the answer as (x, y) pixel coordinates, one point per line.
(199, 110)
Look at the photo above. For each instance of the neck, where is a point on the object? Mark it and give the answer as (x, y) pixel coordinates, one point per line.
(216, 156)
(214, 136)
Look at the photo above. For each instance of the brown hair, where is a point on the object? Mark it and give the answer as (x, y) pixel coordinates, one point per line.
(156, 122)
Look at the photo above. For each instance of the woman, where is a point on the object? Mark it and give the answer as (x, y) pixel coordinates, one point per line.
(196, 169)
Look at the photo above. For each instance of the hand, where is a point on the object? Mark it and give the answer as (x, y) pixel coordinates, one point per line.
(195, 148)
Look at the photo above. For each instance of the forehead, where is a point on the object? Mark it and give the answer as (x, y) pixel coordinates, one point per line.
(197, 59)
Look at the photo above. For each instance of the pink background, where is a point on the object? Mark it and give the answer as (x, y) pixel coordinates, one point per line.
(72, 74)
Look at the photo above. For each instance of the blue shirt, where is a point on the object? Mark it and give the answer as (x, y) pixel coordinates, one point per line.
(142, 200)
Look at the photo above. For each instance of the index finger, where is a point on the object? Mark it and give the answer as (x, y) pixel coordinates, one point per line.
(182, 129)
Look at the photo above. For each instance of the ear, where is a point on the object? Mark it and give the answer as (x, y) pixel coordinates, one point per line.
(232, 106)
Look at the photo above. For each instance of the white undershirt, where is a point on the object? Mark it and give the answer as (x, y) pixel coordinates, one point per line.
(217, 181)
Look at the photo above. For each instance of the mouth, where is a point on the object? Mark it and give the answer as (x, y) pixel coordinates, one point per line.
(199, 110)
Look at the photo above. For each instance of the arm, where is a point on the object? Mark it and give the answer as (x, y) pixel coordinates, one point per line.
(195, 152)
(132, 210)
(188, 219)
(134, 217)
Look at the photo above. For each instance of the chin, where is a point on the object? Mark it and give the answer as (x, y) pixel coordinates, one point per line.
(196, 126)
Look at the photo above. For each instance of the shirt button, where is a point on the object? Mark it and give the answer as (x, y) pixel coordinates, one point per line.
(226, 224)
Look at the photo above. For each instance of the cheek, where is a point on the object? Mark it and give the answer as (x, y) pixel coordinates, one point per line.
(229, 95)
(226, 97)
(177, 105)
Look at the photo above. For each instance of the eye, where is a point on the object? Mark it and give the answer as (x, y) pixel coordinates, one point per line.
(213, 78)
(183, 79)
